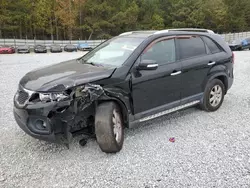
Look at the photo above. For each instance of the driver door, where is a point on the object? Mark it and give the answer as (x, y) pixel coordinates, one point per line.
(158, 89)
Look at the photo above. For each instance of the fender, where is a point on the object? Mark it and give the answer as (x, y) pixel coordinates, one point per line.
(215, 72)
(121, 100)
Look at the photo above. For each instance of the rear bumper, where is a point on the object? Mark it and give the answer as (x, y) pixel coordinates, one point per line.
(40, 51)
(55, 51)
(70, 50)
(230, 82)
(84, 49)
(23, 51)
(230, 78)
(7, 52)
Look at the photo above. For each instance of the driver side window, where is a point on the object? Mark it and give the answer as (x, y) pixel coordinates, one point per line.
(162, 52)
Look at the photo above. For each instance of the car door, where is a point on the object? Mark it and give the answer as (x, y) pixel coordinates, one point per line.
(153, 89)
(196, 61)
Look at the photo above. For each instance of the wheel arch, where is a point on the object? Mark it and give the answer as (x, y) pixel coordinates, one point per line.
(222, 76)
(121, 105)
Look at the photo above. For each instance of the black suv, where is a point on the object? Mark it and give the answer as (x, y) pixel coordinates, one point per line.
(128, 79)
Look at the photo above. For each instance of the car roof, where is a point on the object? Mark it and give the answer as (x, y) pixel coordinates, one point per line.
(147, 33)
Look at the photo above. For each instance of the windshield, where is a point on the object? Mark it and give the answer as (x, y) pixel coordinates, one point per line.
(113, 52)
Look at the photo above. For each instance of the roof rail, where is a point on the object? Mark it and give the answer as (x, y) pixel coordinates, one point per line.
(186, 29)
(133, 32)
(126, 33)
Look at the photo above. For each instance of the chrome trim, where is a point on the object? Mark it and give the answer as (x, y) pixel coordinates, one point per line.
(185, 29)
(21, 88)
(126, 33)
(211, 63)
(152, 65)
(169, 111)
(175, 73)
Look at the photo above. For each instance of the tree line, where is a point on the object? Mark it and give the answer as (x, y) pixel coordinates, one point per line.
(102, 19)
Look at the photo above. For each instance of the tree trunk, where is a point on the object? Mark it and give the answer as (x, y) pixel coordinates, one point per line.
(70, 33)
(70, 27)
(35, 31)
(51, 30)
(64, 35)
(31, 30)
(80, 19)
(57, 32)
(91, 34)
(26, 30)
(20, 31)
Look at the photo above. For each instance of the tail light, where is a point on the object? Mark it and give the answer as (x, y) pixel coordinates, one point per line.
(233, 58)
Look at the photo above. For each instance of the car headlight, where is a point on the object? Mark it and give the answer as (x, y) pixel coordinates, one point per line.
(48, 97)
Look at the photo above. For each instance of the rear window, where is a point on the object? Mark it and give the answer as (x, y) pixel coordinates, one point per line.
(213, 47)
(191, 46)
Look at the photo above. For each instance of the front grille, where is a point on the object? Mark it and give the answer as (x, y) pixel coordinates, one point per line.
(22, 97)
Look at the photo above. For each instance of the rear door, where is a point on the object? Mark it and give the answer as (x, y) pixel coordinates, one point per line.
(196, 61)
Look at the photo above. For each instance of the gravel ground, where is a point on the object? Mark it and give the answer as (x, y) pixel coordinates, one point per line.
(211, 149)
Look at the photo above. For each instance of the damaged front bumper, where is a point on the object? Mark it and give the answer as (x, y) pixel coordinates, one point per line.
(55, 121)
(44, 122)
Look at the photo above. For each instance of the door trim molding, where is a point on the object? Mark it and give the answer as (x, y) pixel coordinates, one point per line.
(165, 109)
(169, 111)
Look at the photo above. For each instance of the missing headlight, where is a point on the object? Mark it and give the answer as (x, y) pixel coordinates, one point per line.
(48, 97)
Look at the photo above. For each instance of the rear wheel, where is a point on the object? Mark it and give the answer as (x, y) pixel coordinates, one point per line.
(109, 127)
(213, 96)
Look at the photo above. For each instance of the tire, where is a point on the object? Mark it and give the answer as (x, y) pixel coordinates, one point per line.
(109, 137)
(215, 89)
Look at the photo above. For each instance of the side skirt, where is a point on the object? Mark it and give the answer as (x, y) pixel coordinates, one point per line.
(169, 111)
(162, 113)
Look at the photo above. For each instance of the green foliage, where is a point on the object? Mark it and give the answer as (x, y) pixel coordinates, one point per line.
(84, 19)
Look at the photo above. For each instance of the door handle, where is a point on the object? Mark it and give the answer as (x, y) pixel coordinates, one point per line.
(175, 73)
(211, 63)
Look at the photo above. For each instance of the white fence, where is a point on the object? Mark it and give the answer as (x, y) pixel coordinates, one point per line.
(93, 43)
(233, 36)
(47, 43)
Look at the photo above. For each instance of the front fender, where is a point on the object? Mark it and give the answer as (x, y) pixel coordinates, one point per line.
(120, 97)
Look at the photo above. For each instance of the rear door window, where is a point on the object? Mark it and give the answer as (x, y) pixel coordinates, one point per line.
(213, 47)
(191, 46)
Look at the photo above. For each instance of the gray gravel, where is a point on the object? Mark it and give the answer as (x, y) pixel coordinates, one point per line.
(211, 149)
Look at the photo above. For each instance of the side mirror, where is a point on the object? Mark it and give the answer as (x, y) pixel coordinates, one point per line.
(147, 65)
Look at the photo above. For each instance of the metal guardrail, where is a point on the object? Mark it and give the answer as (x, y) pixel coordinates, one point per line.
(47, 43)
(229, 37)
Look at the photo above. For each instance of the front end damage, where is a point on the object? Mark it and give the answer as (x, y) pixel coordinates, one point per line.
(58, 120)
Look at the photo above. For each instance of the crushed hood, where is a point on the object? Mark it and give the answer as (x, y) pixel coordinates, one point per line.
(64, 75)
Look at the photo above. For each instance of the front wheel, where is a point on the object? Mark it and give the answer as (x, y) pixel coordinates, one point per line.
(109, 127)
(213, 96)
